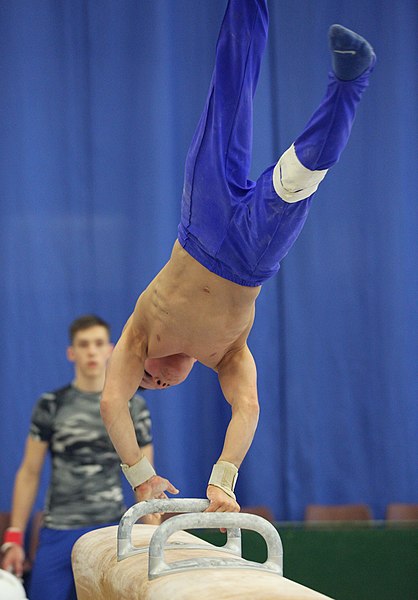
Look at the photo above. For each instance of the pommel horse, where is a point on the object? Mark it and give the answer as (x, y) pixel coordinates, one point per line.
(128, 562)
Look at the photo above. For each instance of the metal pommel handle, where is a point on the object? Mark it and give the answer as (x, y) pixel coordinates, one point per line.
(170, 505)
(158, 567)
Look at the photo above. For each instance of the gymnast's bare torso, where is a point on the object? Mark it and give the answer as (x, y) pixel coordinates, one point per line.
(186, 313)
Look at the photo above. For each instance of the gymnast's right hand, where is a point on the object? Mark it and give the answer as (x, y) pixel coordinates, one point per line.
(13, 560)
(154, 487)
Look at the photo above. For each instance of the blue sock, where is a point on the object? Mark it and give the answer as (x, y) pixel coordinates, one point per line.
(352, 55)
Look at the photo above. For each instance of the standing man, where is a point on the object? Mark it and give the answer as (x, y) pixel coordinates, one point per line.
(232, 236)
(85, 489)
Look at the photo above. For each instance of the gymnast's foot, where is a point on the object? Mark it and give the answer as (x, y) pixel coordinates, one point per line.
(352, 55)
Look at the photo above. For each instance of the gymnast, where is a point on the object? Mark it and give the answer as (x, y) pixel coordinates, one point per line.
(232, 236)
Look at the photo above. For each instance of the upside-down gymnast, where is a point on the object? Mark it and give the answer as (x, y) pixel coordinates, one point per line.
(233, 233)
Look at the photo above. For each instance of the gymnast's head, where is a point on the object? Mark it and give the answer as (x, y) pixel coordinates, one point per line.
(161, 373)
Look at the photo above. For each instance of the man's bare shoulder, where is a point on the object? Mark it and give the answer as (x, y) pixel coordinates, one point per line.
(135, 334)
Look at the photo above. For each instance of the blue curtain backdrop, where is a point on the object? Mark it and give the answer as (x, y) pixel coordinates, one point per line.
(98, 104)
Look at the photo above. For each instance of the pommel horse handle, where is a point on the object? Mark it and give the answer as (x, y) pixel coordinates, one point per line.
(170, 505)
(158, 567)
(194, 520)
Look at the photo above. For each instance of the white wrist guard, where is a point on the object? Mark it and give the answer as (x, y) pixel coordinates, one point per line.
(224, 475)
(139, 472)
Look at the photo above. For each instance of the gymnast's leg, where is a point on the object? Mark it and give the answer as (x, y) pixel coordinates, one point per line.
(299, 171)
(303, 166)
(219, 157)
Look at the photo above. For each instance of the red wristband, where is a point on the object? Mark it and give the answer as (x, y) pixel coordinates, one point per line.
(13, 536)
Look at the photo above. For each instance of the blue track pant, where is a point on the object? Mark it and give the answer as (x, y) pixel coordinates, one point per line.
(238, 228)
(52, 576)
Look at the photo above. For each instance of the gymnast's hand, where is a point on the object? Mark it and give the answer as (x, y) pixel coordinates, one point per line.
(154, 487)
(220, 501)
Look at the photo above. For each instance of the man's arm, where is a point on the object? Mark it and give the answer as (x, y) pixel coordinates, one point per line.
(124, 373)
(24, 494)
(238, 379)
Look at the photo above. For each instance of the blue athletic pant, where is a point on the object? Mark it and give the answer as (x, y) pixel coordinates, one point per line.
(235, 227)
(52, 577)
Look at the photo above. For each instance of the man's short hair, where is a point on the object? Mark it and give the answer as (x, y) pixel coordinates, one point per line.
(85, 322)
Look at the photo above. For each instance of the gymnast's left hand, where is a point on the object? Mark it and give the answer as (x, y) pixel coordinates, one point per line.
(220, 501)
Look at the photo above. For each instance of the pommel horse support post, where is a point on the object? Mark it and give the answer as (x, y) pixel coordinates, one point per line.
(128, 562)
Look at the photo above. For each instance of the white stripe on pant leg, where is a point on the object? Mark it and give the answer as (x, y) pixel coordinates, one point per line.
(292, 181)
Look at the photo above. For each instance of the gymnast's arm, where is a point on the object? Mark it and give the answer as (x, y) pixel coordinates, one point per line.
(123, 375)
(237, 375)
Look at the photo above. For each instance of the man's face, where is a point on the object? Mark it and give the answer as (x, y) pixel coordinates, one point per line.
(90, 351)
(161, 373)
